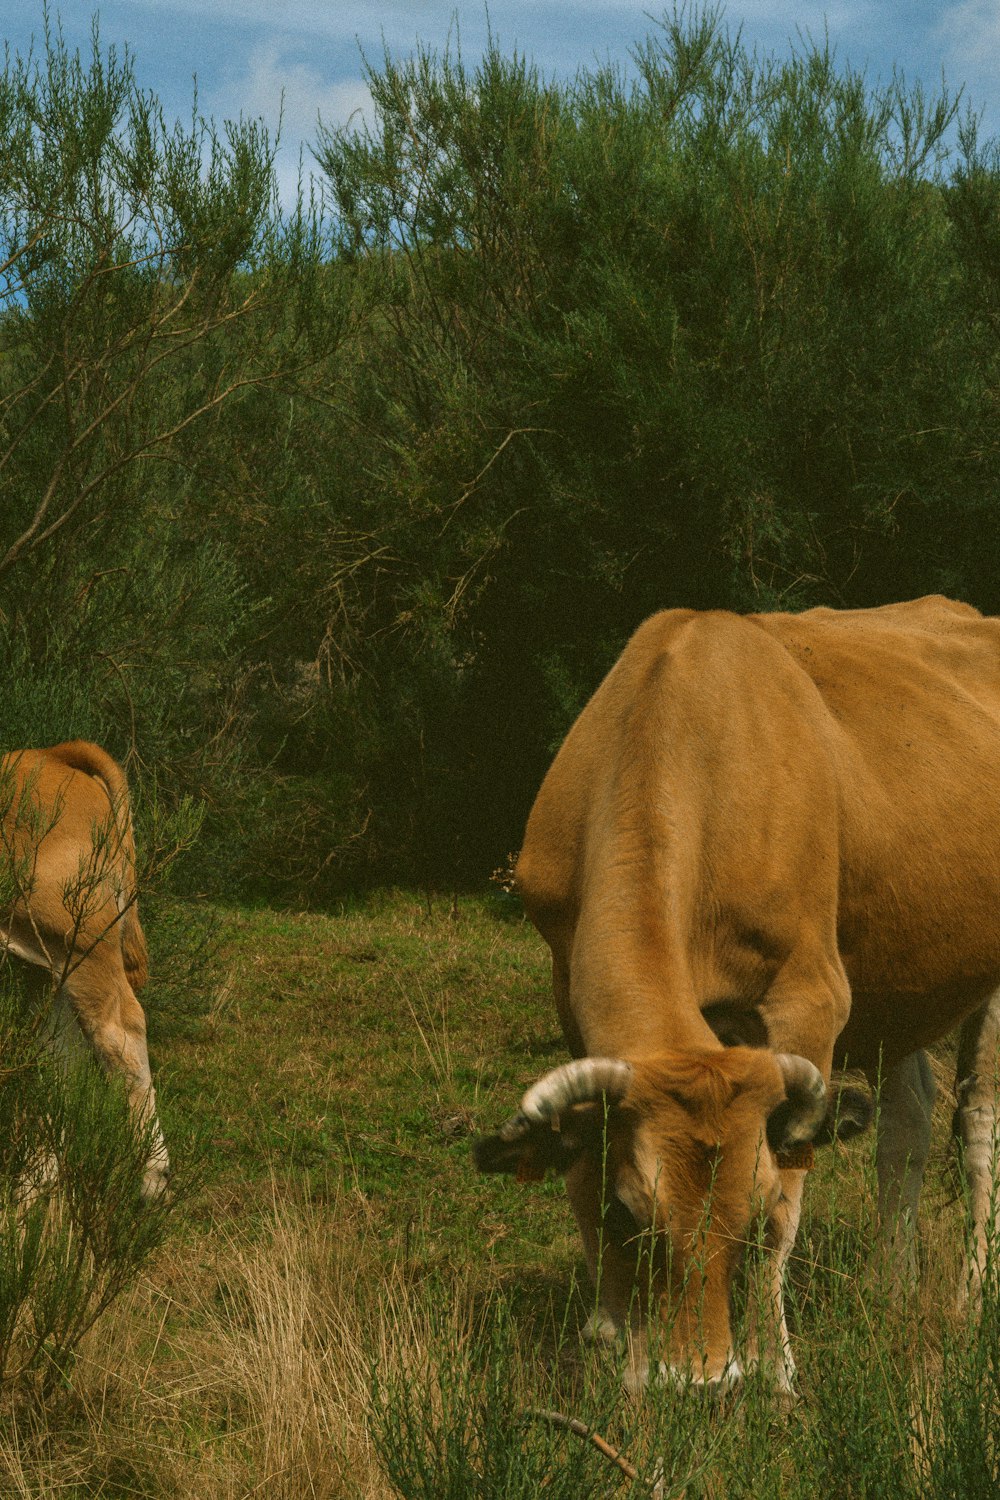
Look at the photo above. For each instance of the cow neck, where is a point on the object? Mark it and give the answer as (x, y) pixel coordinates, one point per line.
(631, 1015)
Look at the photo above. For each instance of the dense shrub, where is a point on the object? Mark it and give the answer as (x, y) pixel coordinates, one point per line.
(718, 332)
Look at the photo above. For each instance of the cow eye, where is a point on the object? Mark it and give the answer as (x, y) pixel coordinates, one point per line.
(619, 1220)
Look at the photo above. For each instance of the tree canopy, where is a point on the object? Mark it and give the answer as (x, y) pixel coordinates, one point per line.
(333, 516)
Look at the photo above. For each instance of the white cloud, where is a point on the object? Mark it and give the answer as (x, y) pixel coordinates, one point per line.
(969, 34)
(273, 82)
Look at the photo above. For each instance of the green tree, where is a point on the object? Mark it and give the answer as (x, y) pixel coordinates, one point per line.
(698, 336)
(150, 281)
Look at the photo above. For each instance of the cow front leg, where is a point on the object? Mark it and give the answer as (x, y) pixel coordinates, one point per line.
(805, 1010)
(976, 1126)
(768, 1345)
(611, 1264)
(906, 1100)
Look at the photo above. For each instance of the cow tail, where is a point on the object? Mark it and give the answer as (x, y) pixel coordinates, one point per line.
(83, 755)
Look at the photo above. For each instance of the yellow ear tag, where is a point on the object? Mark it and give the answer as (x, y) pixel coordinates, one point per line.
(528, 1169)
(798, 1159)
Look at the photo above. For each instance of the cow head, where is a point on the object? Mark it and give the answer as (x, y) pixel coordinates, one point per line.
(668, 1161)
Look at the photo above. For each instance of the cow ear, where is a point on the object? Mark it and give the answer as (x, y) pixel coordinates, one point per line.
(526, 1150)
(849, 1113)
(797, 1119)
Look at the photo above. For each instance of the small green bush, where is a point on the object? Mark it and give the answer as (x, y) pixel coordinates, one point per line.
(73, 1231)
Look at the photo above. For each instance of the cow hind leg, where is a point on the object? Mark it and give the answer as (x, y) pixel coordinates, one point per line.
(976, 1126)
(113, 1023)
(906, 1099)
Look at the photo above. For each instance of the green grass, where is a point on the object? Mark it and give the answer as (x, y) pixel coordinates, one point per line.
(360, 1053)
(346, 1309)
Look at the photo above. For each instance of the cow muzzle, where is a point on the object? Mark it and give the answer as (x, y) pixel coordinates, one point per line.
(699, 1382)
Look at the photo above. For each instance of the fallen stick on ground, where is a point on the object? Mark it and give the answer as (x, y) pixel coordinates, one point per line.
(573, 1424)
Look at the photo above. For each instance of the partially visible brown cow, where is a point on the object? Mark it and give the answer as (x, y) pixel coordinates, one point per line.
(68, 884)
(785, 828)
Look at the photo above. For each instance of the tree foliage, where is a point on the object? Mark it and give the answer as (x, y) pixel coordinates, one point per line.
(345, 511)
(719, 334)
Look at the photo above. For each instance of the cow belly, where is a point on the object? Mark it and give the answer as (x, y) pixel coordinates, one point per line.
(885, 1027)
(919, 968)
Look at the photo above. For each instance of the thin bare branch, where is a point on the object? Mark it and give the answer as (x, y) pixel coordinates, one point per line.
(574, 1425)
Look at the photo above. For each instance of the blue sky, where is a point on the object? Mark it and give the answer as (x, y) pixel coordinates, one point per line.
(246, 53)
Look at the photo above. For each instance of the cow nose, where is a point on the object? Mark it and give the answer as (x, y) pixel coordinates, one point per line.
(708, 1386)
(705, 1385)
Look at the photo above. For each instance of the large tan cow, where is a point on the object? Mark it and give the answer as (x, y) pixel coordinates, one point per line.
(67, 884)
(785, 828)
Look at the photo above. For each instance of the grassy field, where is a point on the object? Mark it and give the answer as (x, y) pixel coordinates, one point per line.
(345, 1309)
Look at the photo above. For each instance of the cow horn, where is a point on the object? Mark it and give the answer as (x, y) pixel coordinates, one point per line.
(578, 1082)
(806, 1093)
